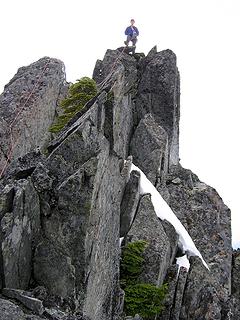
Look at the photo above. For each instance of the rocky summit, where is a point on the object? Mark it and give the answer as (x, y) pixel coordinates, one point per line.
(79, 239)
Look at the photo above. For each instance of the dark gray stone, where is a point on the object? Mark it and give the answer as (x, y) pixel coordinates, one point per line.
(66, 229)
(119, 118)
(23, 167)
(233, 306)
(147, 226)
(129, 203)
(171, 280)
(81, 186)
(113, 67)
(10, 311)
(172, 237)
(24, 118)
(41, 179)
(54, 314)
(6, 200)
(31, 303)
(19, 230)
(233, 309)
(208, 221)
(151, 54)
(54, 270)
(118, 303)
(122, 122)
(149, 148)
(236, 274)
(93, 112)
(40, 293)
(103, 244)
(201, 299)
(60, 215)
(159, 94)
(179, 292)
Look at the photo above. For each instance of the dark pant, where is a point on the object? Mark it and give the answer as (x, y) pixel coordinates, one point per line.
(133, 39)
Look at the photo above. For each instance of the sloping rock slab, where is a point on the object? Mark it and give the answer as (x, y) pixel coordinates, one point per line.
(147, 226)
(29, 302)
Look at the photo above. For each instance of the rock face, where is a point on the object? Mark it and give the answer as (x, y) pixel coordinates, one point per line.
(153, 141)
(235, 274)
(19, 229)
(9, 311)
(148, 227)
(28, 107)
(129, 203)
(159, 94)
(62, 214)
(208, 221)
(234, 309)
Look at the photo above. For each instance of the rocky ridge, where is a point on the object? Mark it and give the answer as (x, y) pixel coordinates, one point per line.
(63, 211)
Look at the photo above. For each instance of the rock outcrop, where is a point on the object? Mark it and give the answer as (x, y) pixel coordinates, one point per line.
(62, 212)
(28, 107)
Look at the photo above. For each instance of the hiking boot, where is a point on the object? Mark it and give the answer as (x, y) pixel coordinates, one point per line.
(126, 43)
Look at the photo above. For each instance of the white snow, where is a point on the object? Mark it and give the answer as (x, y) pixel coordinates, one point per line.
(120, 241)
(183, 262)
(164, 212)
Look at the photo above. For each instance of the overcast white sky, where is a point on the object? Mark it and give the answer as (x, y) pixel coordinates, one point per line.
(203, 33)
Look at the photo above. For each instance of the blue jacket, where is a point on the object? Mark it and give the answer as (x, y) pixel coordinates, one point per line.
(129, 32)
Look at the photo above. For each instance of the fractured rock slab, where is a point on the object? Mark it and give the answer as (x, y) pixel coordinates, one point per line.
(149, 148)
(157, 255)
(28, 107)
(29, 302)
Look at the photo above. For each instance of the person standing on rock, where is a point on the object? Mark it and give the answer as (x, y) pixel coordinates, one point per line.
(132, 33)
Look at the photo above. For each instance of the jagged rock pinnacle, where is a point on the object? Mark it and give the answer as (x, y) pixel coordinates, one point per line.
(62, 211)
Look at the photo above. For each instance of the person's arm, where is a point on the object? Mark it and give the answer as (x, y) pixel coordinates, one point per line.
(127, 31)
(137, 31)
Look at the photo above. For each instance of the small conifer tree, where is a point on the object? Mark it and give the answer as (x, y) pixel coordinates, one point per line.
(79, 94)
(140, 298)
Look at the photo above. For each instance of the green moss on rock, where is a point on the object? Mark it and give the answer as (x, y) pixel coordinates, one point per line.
(79, 94)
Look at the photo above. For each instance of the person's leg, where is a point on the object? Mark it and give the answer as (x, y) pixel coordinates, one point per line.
(129, 38)
(134, 41)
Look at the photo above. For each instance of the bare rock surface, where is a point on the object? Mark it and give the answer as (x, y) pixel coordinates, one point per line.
(28, 107)
(62, 211)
